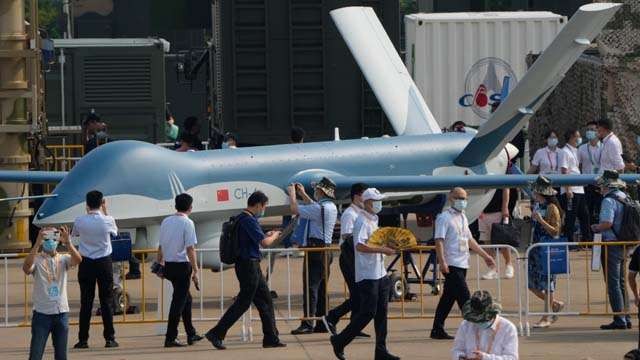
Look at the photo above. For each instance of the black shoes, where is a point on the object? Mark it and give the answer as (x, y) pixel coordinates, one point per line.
(277, 344)
(111, 344)
(320, 329)
(440, 334)
(363, 335)
(328, 324)
(337, 351)
(215, 340)
(613, 326)
(386, 356)
(81, 345)
(173, 343)
(302, 330)
(193, 339)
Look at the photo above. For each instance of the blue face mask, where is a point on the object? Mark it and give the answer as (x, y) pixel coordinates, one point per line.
(579, 141)
(460, 204)
(552, 142)
(376, 206)
(49, 245)
(225, 145)
(590, 134)
(261, 214)
(484, 325)
(638, 140)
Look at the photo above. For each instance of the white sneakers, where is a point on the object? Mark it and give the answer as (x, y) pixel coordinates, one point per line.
(492, 274)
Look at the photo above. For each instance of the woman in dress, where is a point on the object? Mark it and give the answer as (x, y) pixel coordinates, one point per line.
(547, 222)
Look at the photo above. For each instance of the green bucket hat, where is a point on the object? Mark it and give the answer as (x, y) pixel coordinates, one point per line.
(611, 179)
(543, 186)
(480, 308)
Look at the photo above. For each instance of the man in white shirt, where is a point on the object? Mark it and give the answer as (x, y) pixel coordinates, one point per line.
(453, 241)
(50, 304)
(95, 230)
(572, 197)
(484, 334)
(372, 282)
(589, 157)
(322, 215)
(347, 259)
(611, 154)
(176, 249)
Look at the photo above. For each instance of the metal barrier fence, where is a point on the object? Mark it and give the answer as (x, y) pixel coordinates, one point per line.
(218, 288)
(574, 262)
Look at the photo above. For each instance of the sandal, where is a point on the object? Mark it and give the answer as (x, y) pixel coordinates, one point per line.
(557, 307)
(542, 324)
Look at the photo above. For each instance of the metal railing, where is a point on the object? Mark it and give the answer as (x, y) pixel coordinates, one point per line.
(587, 306)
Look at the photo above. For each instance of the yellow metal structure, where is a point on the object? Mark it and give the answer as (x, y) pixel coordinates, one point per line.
(19, 112)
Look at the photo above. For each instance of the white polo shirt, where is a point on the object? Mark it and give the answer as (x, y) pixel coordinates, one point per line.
(611, 156)
(547, 160)
(50, 273)
(368, 266)
(569, 160)
(348, 219)
(177, 232)
(453, 227)
(313, 213)
(589, 157)
(95, 230)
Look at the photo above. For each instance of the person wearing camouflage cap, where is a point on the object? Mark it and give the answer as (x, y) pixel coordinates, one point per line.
(610, 224)
(484, 334)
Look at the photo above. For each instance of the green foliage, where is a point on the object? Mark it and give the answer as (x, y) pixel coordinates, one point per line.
(408, 6)
(49, 12)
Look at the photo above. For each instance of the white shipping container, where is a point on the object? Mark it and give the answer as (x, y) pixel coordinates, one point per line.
(463, 62)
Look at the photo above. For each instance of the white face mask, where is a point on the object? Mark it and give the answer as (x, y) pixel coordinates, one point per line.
(579, 141)
(460, 204)
(591, 134)
(552, 142)
(376, 206)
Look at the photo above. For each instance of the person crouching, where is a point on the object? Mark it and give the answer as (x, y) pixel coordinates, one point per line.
(484, 334)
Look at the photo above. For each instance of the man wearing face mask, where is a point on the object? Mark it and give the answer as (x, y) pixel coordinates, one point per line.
(484, 334)
(50, 304)
(545, 160)
(253, 286)
(372, 282)
(611, 154)
(322, 215)
(347, 258)
(572, 197)
(453, 241)
(589, 157)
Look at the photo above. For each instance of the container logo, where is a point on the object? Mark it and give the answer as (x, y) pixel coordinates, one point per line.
(488, 82)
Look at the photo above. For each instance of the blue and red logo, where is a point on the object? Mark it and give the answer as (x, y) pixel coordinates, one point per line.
(488, 82)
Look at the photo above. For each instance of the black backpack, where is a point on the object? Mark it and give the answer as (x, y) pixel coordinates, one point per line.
(229, 246)
(630, 229)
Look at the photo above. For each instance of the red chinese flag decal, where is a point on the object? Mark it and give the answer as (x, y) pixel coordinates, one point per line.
(223, 195)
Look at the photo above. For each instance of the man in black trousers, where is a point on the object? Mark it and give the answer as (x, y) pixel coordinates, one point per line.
(95, 230)
(177, 250)
(253, 286)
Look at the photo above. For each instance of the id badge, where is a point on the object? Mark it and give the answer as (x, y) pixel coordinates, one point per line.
(53, 291)
(464, 244)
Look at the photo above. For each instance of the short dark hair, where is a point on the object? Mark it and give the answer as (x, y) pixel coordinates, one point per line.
(167, 114)
(592, 122)
(459, 122)
(297, 134)
(605, 123)
(569, 134)
(92, 117)
(230, 136)
(183, 202)
(257, 198)
(94, 199)
(358, 189)
(191, 122)
(548, 133)
(188, 138)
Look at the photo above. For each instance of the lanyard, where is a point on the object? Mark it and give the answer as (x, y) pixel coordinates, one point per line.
(53, 274)
(604, 143)
(491, 339)
(551, 162)
(460, 230)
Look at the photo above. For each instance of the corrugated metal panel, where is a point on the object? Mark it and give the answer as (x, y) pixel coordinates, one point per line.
(455, 57)
(125, 79)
